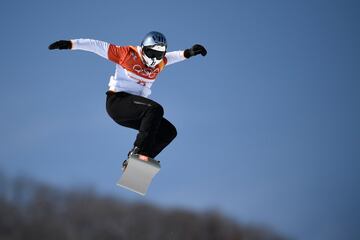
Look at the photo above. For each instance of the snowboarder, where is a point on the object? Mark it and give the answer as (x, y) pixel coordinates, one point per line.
(127, 101)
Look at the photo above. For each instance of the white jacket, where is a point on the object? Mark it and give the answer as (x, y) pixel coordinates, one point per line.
(131, 74)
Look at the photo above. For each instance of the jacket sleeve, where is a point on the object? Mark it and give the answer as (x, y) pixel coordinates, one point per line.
(106, 50)
(174, 57)
(98, 47)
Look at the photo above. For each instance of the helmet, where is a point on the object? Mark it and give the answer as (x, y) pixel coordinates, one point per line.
(153, 48)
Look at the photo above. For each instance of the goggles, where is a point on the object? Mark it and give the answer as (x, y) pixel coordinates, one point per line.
(151, 53)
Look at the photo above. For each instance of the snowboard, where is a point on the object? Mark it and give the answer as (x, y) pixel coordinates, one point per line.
(138, 174)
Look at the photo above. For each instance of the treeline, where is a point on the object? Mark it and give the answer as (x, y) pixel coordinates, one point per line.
(34, 211)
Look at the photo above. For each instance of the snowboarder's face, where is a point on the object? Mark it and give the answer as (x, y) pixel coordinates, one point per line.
(153, 55)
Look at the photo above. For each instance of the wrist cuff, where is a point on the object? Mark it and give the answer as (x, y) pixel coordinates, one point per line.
(187, 53)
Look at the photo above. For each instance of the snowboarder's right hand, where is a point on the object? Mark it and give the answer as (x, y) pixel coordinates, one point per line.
(62, 44)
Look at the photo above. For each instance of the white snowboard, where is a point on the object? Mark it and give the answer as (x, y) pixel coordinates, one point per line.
(139, 174)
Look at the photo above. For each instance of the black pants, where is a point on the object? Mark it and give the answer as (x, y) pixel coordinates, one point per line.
(145, 115)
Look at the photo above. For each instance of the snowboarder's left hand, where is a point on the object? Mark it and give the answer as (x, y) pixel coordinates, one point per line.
(195, 50)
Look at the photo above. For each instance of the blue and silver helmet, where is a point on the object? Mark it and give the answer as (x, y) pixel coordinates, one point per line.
(153, 48)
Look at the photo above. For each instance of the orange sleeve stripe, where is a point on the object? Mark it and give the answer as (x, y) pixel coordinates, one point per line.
(117, 53)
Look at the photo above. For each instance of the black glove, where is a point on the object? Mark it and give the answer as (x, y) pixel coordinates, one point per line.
(195, 50)
(62, 44)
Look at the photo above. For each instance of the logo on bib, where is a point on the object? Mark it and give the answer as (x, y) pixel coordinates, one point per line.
(146, 72)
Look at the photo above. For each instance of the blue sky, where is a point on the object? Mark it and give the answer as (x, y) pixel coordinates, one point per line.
(268, 122)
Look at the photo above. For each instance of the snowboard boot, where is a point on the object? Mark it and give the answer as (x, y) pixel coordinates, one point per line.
(135, 150)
